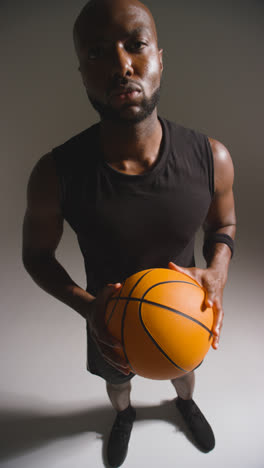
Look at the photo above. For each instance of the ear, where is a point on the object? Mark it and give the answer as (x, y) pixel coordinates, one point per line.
(82, 75)
(161, 59)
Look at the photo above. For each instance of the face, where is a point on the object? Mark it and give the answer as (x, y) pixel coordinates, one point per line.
(120, 62)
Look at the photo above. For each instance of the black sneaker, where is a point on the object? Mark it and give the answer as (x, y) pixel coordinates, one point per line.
(200, 428)
(119, 436)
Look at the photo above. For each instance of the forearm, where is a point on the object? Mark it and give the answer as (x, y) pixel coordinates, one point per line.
(219, 255)
(50, 275)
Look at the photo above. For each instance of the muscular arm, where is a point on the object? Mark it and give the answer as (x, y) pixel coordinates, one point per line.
(221, 216)
(42, 232)
(220, 219)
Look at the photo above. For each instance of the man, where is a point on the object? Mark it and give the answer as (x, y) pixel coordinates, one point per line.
(135, 188)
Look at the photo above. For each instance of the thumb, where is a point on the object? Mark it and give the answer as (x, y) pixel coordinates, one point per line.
(185, 271)
(175, 267)
(191, 272)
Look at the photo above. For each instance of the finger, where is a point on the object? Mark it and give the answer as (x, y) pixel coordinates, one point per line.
(216, 339)
(113, 357)
(116, 361)
(212, 297)
(114, 286)
(118, 364)
(209, 298)
(217, 325)
(215, 342)
(218, 318)
(106, 339)
(123, 369)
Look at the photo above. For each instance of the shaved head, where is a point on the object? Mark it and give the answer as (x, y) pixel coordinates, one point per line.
(100, 11)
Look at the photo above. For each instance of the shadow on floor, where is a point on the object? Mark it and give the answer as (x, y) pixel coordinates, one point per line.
(24, 429)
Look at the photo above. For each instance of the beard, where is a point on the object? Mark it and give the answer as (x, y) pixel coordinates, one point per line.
(146, 108)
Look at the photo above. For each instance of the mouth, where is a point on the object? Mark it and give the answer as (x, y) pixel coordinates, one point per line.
(125, 93)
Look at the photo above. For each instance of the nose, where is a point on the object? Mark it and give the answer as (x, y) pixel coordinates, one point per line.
(122, 65)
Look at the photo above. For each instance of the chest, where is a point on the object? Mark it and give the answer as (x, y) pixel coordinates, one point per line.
(154, 217)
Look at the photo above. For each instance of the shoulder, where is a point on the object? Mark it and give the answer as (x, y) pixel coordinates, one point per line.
(77, 152)
(223, 166)
(186, 137)
(45, 182)
(82, 139)
(179, 131)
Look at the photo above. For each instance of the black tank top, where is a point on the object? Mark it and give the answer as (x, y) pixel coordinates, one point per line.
(127, 223)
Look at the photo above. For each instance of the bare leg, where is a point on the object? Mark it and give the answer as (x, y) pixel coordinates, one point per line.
(119, 395)
(184, 386)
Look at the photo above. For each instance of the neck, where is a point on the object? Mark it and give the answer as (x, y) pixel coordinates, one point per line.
(132, 147)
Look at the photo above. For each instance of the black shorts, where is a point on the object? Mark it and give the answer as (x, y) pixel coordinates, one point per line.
(97, 365)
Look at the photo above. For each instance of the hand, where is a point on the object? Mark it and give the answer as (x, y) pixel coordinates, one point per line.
(107, 344)
(213, 281)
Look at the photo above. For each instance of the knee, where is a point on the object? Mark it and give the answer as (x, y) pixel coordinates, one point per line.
(185, 377)
(119, 387)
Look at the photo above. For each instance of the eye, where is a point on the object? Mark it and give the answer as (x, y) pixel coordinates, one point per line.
(137, 45)
(94, 52)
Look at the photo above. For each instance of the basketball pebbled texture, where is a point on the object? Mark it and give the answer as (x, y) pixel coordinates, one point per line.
(159, 317)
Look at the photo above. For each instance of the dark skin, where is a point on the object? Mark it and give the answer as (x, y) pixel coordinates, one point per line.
(120, 65)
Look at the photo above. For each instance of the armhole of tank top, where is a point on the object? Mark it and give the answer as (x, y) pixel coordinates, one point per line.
(210, 159)
(55, 156)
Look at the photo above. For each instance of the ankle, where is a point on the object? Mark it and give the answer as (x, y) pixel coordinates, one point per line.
(127, 413)
(189, 398)
(182, 403)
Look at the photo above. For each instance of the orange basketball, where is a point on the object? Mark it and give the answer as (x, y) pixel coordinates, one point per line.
(159, 317)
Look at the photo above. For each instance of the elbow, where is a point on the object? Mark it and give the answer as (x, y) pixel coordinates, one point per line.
(25, 260)
(28, 262)
(34, 260)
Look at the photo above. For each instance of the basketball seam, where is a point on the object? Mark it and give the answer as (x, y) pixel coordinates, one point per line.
(146, 301)
(124, 316)
(180, 313)
(143, 300)
(115, 304)
(167, 308)
(116, 298)
(155, 342)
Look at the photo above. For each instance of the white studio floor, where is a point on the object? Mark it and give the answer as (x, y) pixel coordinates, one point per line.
(56, 415)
